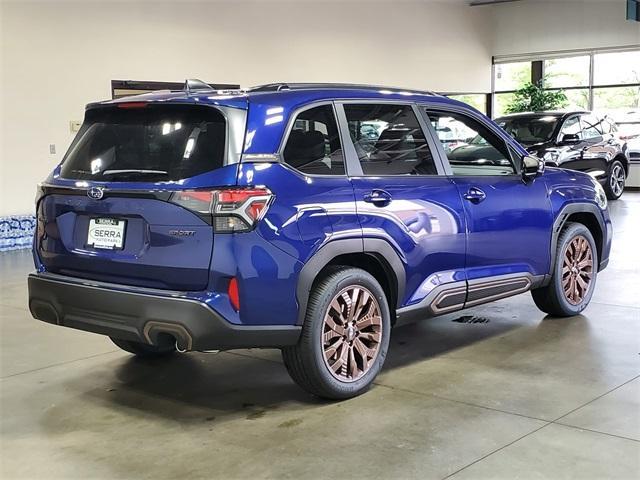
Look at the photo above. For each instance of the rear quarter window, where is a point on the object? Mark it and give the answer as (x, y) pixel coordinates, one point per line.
(150, 143)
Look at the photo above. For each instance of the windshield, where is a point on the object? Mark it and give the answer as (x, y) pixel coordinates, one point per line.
(147, 143)
(529, 129)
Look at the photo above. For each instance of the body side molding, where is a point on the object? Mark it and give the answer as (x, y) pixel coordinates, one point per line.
(453, 296)
(483, 290)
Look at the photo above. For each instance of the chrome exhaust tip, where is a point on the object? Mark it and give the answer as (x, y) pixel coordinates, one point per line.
(153, 330)
(179, 349)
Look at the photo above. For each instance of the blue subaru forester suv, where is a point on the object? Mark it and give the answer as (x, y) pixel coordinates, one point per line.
(306, 217)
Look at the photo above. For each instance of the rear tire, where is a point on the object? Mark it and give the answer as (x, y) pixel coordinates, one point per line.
(574, 274)
(344, 338)
(144, 350)
(616, 178)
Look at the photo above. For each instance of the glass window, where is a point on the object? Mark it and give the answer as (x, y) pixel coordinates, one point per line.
(511, 76)
(617, 67)
(149, 143)
(567, 72)
(590, 126)
(502, 101)
(577, 99)
(571, 127)
(481, 153)
(613, 88)
(607, 125)
(313, 146)
(529, 129)
(476, 100)
(619, 98)
(389, 140)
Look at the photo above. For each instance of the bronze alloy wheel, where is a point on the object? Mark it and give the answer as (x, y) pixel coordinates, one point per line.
(577, 269)
(351, 333)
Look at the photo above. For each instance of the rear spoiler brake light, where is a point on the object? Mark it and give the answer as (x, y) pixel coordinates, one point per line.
(132, 105)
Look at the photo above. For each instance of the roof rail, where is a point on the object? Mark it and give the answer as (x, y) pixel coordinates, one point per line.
(276, 87)
(269, 87)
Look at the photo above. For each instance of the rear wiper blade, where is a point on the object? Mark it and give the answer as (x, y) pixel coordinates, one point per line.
(134, 170)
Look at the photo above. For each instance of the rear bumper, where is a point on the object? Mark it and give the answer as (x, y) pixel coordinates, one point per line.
(143, 315)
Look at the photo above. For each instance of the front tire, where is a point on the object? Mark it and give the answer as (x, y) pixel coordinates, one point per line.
(574, 274)
(616, 178)
(344, 338)
(144, 350)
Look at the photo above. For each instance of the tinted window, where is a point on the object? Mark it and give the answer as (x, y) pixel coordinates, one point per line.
(571, 127)
(151, 143)
(478, 152)
(590, 126)
(529, 130)
(607, 126)
(389, 140)
(313, 146)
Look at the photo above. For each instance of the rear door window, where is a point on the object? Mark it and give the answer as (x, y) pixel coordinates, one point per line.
(590, 127)
(389, 140)
(313, 146)
(605, 125)
(147, 143)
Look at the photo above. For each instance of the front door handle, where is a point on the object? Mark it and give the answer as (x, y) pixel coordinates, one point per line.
(475, 195)
(378, 197)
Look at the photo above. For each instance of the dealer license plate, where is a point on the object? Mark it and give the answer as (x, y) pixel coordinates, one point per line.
(107, 233)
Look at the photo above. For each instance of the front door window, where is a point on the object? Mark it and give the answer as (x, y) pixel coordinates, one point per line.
(472, 149)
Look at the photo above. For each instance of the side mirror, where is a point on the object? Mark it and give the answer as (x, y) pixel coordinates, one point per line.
(571, 138)
(531, 167)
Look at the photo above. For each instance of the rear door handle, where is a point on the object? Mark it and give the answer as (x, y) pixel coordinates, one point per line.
(475, 195)
(378, 197)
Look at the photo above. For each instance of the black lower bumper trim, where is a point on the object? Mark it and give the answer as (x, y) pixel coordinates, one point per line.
(142, 317)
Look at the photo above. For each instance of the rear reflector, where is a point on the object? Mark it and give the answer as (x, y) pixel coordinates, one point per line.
(233, 210)
(234, 294)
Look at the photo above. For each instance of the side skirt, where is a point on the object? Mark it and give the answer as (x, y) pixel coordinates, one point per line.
(454, 296)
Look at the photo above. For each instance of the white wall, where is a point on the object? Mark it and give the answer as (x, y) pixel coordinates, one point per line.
(530, 26)
(58, 56)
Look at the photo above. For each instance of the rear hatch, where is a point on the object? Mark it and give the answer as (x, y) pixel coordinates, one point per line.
(108, 214)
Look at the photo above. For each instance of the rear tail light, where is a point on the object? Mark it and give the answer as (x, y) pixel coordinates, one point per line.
(233, 210)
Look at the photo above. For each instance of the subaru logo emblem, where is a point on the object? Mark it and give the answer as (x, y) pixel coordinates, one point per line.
(96, 193)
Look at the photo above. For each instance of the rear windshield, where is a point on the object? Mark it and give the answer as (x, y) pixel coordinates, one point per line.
(149, 143)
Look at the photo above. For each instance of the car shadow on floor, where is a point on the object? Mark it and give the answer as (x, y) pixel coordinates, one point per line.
(197, 386)
(189, 389)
